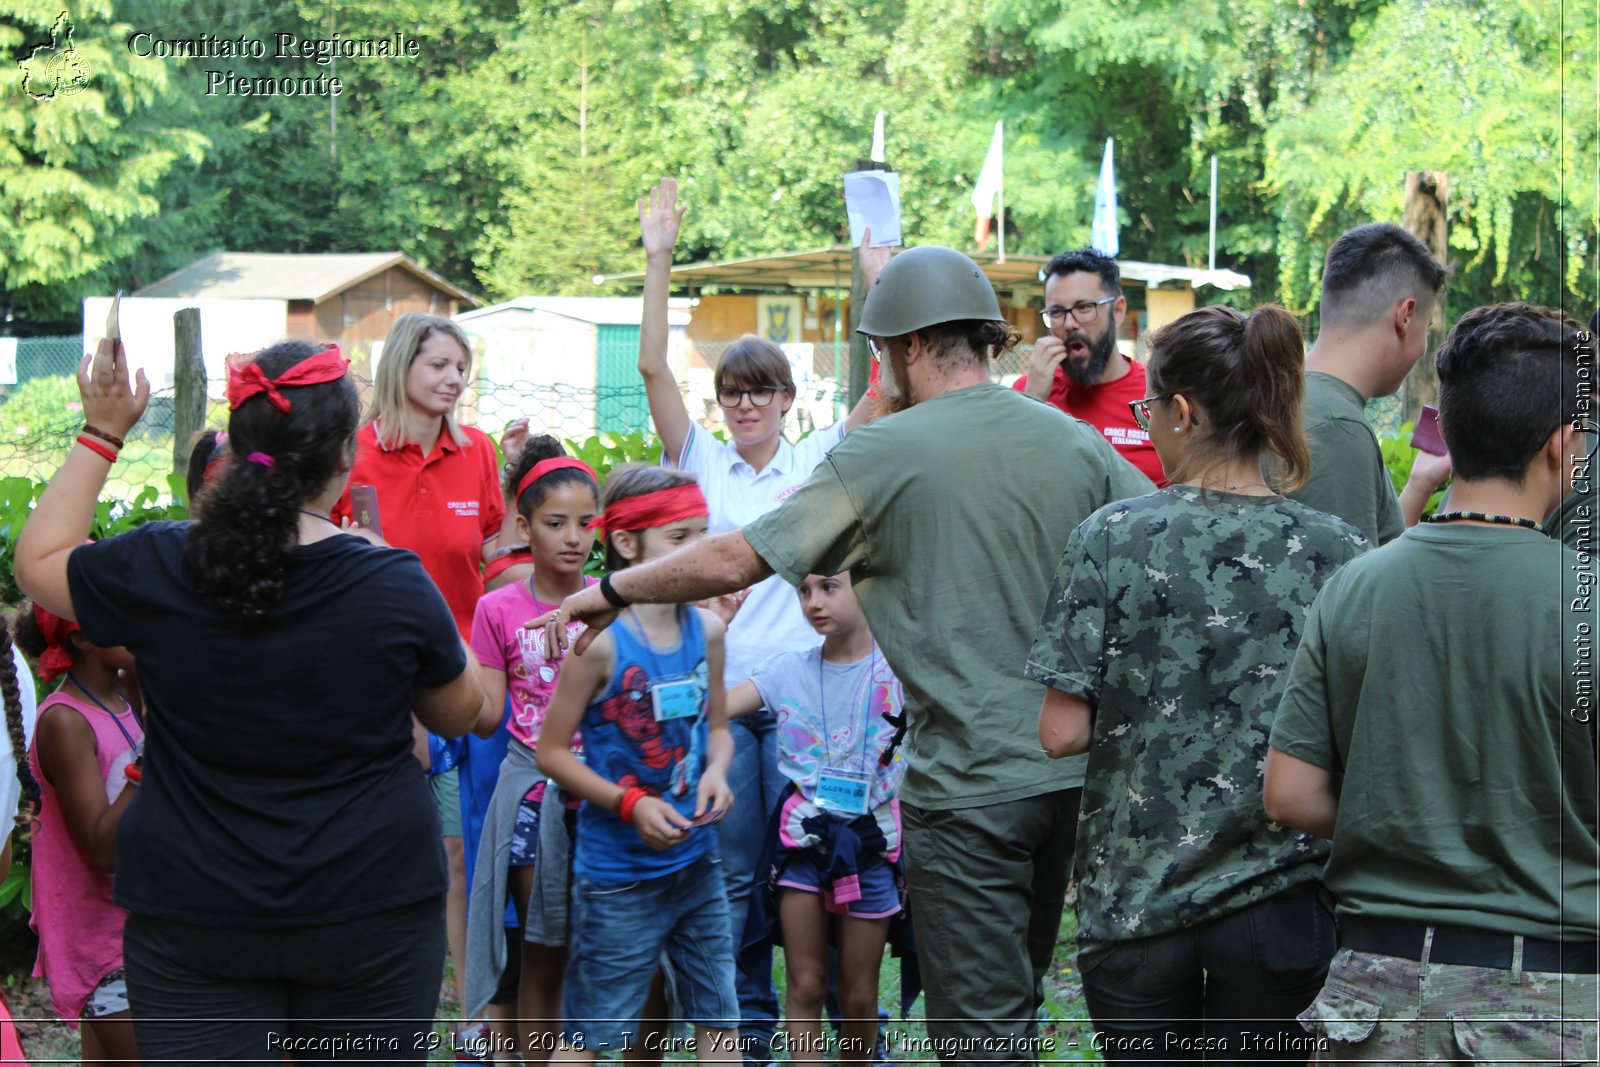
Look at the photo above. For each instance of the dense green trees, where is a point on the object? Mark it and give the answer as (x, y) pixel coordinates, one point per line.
(507, 152)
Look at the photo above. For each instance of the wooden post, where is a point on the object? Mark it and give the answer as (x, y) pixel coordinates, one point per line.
(1427, 195)
(860, 358)
(188, 386)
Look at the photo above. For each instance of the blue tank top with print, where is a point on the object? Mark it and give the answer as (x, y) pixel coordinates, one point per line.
(624, 742)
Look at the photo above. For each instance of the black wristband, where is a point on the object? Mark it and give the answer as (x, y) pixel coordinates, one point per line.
(613, 597)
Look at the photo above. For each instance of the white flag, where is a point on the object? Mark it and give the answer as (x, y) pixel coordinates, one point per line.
(990, 182)
(1103, 231)
(877, 139)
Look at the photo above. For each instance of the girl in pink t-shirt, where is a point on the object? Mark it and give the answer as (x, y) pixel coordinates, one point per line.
(85, 757)
(555, 498)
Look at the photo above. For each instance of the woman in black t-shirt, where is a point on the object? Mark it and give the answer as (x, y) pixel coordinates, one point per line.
(268, 863)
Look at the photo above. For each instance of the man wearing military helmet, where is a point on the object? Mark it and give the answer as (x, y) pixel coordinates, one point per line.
(951, 545)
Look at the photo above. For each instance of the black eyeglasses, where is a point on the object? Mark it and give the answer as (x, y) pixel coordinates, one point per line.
(1083, 312)
(879, 352)
(760, 396)
(1141, 411)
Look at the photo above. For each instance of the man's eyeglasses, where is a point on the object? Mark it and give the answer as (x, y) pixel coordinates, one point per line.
(879, 352)
(1141, 411)
(760, 397)
(1083, 312)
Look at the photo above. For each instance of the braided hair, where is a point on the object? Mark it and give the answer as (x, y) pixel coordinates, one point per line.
(11, 689)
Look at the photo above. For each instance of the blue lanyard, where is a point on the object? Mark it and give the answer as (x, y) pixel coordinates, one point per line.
(132, 744)
(656, 673)
(866, 708)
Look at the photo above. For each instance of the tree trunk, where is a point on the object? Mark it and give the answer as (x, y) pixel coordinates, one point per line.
(1427, 195)
(188, 386)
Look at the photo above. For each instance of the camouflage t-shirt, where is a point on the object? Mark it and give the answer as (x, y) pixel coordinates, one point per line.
(1176, 616)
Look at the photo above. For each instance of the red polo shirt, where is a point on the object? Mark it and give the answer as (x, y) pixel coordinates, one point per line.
(1106, 406)
(443, 507)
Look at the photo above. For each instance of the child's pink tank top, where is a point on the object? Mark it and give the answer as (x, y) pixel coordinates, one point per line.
(80, 929)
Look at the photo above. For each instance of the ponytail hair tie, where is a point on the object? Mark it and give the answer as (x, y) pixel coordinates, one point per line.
(263, 459)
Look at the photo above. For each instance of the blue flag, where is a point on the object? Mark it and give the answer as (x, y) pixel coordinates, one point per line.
(1103, 231)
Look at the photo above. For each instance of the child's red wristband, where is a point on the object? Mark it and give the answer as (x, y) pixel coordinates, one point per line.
(629, 799)
(95, 446)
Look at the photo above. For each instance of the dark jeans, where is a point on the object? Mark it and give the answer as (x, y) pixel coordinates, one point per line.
(987, 886)
(365, 989)
(1225, 991)
(756, 783)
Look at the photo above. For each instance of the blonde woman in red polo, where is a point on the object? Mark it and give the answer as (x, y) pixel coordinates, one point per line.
(438, 488)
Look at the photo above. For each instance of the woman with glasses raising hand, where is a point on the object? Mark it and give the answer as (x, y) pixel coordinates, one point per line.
(1164, 646)
(743, 479)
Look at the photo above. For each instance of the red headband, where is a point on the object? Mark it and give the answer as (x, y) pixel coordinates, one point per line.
(55, 660)
(652, 509)
(219, 456)
(545, 466)
(246, 381)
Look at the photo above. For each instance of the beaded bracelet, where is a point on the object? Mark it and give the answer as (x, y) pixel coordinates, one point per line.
(97, 448)
(110, 438)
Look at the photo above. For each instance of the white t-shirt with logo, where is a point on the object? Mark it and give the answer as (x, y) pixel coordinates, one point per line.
(770, 620)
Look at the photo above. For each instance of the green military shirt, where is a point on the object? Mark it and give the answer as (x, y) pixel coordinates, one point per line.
(1176, 616)
(1448, 677)
(951, 517)
(1348, 478)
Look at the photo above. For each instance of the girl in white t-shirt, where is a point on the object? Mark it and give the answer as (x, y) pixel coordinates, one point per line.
(835, 874)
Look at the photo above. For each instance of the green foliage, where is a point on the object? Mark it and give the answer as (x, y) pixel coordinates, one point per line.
(510, 150)
(40, 406)
(604, 451)
(1473, 90)
(1398, 455)
(79, 169)
(111, 517)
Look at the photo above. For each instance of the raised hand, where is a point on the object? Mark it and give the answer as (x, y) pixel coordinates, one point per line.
(873, 260)
(660, 218)
(513, 440)
(110, 402)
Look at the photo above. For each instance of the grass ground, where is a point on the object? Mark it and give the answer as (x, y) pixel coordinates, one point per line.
(1065, 1030)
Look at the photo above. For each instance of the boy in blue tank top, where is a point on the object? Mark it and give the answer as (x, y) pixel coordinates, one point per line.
(647, 698)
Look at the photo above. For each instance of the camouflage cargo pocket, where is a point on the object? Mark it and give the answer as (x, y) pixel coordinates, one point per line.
(1524, 1037)
(1340, 1015)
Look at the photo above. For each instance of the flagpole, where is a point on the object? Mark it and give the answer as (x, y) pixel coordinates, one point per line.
(999, 130)
(1211, 258)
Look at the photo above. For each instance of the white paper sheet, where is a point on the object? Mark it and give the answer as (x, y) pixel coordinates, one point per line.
(872, 198)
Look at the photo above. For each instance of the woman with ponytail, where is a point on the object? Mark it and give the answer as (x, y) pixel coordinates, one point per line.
(268, 861)
(1164, 646)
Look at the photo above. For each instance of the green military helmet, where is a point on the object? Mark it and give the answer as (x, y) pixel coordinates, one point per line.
(926, 286)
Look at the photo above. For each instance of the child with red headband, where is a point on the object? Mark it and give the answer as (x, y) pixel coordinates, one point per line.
(85, 758)
(555, 498)
(648, 697)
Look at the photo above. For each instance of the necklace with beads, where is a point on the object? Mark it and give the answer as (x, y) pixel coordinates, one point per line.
(1478, 516)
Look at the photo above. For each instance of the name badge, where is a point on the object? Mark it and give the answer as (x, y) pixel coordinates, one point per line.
(675, 700)
(843, 791)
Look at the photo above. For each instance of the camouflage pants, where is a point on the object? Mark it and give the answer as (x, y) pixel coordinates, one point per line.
(1382, 1009)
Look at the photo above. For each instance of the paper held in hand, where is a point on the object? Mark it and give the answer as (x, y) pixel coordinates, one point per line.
(872, 198)
(114, 319)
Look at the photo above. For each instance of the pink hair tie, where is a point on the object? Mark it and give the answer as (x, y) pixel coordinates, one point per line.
(262, 458)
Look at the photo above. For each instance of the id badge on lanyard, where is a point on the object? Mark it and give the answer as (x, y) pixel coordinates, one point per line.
(676, 700)
(845, 792)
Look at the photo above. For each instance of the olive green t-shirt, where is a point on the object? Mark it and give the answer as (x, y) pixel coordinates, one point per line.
(1348, 478)
(1573, 522)
(1449, 678)
(1176, 616)
(951, 517)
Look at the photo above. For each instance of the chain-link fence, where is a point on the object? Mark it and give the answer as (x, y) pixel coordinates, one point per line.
(40, 414)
